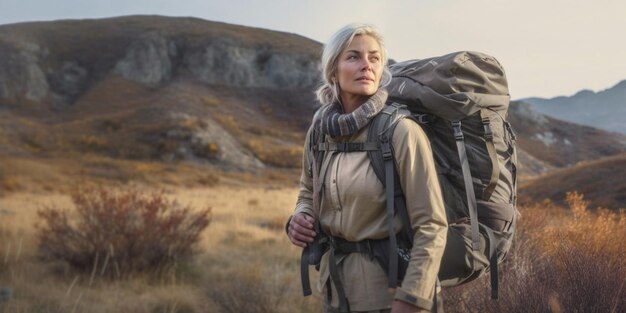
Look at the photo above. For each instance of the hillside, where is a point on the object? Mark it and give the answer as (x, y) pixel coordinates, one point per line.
(557, 143)
(601, 182)
(603, 109)
(188, 102)
(151, 89)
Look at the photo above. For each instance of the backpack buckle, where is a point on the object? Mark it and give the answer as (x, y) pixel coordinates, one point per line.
(385, 147)
(458, 133)
(423, 118)
(510, 130)
(332, 242)
(487, 129)
(341, 147)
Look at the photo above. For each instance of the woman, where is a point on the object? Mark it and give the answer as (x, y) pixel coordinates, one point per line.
(347, 198)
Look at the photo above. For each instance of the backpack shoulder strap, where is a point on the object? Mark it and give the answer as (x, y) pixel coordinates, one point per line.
(385, 123)
(315, 137)
(381, 130)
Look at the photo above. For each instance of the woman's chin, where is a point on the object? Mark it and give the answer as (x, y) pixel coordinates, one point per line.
(367, 91)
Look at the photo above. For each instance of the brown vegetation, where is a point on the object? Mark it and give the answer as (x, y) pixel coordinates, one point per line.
(128, 230)
(562, 261)
(276, 155)
(244, 256)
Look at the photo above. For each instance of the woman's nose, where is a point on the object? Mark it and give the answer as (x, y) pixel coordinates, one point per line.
(367, 65)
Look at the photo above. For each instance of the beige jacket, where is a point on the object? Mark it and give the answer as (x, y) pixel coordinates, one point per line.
(353, 207)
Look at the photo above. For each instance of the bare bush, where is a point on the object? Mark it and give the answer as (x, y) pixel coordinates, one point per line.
(586, 281)
(119, 232)
(587, 259)
(522, 288)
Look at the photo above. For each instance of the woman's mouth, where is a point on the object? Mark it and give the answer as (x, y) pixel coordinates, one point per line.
(364, 79)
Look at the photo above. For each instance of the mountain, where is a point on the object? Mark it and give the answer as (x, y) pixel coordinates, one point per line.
(604, 109)
(184, 101)
(156, 88)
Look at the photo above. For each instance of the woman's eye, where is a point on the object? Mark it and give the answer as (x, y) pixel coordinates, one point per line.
(352, 57)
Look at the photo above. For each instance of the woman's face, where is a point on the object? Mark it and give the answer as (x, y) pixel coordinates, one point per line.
(359, 69)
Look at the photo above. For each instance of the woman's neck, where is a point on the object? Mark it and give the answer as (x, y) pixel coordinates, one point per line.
(351, 103)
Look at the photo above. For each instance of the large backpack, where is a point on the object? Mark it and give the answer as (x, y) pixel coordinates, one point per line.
(460, 100)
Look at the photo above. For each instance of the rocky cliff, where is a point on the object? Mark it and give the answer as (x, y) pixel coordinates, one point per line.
(63, 59)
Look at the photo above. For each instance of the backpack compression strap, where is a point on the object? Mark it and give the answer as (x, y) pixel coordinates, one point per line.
(472, 207)
(469, 186)
(491, 149)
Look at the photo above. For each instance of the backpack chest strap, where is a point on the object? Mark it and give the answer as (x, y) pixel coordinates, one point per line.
(348, 146)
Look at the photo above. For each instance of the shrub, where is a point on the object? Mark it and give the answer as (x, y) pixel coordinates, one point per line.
(587, 258)
(120, 231)
(561, 261)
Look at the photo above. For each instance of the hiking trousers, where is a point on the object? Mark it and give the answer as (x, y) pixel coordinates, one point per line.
(329, 309)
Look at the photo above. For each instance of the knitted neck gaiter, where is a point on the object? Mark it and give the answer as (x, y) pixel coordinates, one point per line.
(335, 124)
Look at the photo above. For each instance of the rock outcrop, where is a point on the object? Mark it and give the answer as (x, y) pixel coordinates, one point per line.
(21, 77)
(219, 62)
(33, 66)
(148, 60)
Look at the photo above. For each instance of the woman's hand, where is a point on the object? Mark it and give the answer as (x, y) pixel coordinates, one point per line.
(300, 230)
(403, 307)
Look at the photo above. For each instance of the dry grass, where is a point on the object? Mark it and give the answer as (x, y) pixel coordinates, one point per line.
(289, 156)
(245, 255)
(562, 261)
(60, 174)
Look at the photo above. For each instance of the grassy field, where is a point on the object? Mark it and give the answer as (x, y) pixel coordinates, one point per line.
(563, 261)
(244, 264)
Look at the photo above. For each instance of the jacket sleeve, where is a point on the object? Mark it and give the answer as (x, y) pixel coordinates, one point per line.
(418, 177)
(305, 196)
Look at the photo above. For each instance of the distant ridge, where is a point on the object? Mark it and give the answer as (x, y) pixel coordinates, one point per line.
(554, 143)
(605, 109)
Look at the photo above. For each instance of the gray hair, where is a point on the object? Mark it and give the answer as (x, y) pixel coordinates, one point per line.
(329, 91)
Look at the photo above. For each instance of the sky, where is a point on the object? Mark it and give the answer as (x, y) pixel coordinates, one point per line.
(548, 47)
